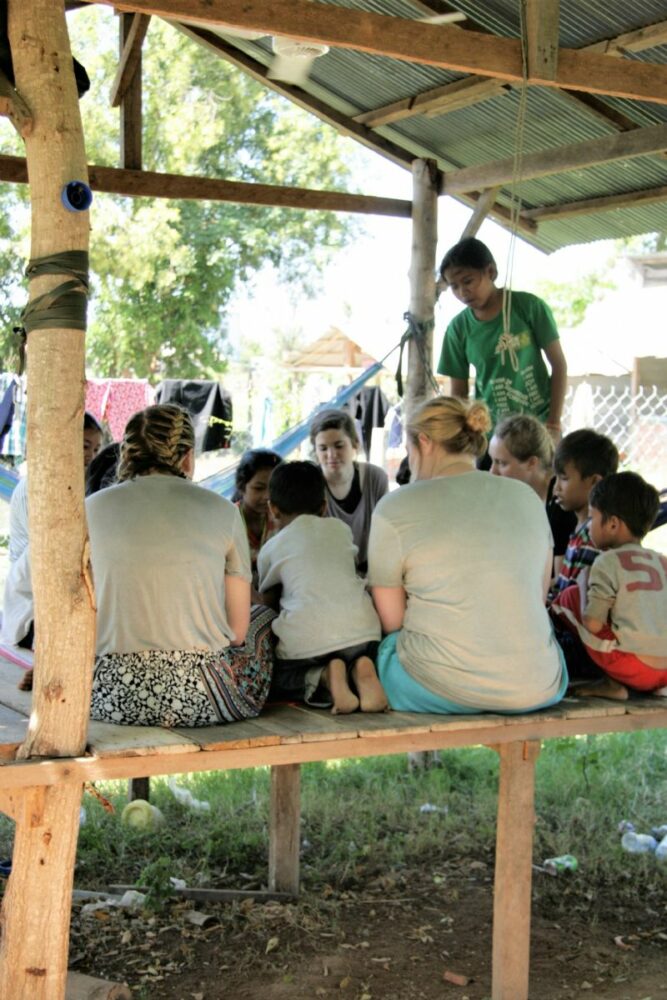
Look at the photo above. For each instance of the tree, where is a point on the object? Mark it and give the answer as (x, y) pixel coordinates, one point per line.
(163, 272)
(570, 300)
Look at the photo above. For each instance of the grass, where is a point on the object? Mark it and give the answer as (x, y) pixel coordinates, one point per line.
(362, 820)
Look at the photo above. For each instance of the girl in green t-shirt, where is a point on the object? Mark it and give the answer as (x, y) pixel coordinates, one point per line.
(511, 375)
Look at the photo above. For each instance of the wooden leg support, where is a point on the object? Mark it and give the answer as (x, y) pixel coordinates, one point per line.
(285, 828)
(514, 858)
(37, 903)
(139, 788)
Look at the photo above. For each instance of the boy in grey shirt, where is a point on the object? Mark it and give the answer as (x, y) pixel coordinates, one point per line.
(327, 628)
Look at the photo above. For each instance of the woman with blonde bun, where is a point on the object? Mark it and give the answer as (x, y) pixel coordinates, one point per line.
(459, 565)
(522, 448)
(177, 642)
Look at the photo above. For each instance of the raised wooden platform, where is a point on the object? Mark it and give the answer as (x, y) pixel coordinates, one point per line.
(293, 734)
(286, 736)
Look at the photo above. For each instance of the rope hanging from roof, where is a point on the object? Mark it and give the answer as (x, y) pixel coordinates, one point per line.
(515, 198)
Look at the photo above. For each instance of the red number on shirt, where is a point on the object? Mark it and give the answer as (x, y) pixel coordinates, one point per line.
(635, 562)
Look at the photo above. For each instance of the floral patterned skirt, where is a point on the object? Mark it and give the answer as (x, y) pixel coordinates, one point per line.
(187, 688)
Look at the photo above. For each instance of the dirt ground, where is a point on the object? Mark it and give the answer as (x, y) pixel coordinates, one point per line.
(408, 936)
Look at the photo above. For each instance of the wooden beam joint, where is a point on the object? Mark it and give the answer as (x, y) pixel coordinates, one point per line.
(13, 106)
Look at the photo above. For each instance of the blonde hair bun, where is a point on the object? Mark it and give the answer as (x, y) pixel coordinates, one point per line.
(478, 418)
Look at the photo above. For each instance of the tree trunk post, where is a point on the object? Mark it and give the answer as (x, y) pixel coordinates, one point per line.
(62, 588)
(38, 899)
(36, 907)
(422, 279)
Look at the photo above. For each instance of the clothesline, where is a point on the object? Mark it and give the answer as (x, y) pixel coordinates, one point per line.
(223, 482)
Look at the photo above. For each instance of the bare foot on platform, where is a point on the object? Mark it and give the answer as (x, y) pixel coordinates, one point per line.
(660, 693)
(335, 679)
(25, 684)
(371, 692)
(607, 688)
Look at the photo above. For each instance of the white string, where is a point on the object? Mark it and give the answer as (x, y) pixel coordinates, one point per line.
(515, 198)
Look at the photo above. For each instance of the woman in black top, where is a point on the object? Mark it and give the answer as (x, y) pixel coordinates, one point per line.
(522, 448)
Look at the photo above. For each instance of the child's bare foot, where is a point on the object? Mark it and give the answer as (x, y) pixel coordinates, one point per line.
(25, 684)
(335, 679)
(660, 693)
(607, 688)
(371, 692)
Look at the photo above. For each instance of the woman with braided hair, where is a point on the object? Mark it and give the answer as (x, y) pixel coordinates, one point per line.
(177, 644)
(459, 563)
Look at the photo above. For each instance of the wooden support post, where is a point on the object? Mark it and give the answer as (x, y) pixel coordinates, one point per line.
(132, 30)
(514, 859)
(36, 906)
(285, 828)
(59, 550)
(425, 184)
(139, 788)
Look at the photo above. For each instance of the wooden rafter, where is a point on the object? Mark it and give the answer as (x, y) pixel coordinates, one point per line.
(437, 101)
(130, 58)
(586, 206)
(542, 26)
(341, 122)
(413, 41)
(632, 41)
(144, 183)
(579, 155)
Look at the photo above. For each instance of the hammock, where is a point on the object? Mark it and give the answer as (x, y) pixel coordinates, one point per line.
(223, 482)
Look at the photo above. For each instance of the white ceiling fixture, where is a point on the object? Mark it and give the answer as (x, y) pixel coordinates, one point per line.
(293, 60)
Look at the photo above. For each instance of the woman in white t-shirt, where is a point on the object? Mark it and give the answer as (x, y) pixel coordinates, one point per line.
(176, 642)
(459, 564)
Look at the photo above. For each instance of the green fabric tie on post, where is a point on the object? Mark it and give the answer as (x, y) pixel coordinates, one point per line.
(65, 305)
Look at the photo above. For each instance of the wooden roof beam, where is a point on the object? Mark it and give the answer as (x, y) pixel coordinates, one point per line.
(413, 41)
(130, 58)
(144, 183)
(638, 40)
(542, 29)
(341, 122)
(577, 156)
(438, 101)
(587, 206)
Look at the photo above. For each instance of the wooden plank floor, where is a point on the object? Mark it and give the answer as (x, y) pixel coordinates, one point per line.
(294, 734)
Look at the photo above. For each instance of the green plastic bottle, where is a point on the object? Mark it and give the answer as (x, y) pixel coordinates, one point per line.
(563, 863)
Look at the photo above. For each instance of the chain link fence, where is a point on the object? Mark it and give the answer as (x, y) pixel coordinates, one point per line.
(636, 423)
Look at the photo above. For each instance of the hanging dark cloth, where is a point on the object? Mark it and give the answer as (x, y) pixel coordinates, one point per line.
(368, 408)
(209, 405)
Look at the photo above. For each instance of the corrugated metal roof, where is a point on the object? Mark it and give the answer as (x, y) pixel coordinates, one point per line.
(352, 82)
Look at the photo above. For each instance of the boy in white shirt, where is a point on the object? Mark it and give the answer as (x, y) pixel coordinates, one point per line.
(328, 631)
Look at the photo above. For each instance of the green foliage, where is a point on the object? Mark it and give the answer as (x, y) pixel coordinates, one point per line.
(570, 301)
(155, 878)
(164, 272)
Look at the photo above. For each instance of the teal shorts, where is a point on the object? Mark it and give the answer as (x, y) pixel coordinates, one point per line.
(406, 695)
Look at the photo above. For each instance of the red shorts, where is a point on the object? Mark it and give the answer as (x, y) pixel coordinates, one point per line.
(624, 667)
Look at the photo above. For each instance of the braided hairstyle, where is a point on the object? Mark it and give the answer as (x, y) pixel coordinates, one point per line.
(155, 440)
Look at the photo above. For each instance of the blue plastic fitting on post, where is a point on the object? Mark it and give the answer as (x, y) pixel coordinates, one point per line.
(76, 196)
